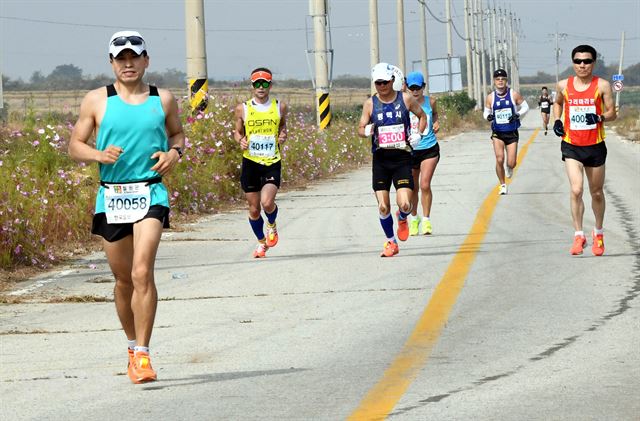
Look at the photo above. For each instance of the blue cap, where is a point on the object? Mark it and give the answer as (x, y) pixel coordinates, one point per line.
(415, 78)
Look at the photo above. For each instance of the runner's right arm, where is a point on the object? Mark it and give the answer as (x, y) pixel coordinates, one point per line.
(488, 108)
(365, 118)
(238, 133)
(79, 149)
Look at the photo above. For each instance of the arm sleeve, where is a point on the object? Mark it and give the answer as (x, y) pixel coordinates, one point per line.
(523, 108)
(486, 112)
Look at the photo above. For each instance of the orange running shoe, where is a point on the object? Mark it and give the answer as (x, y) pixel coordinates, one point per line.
(598, 244)
(390, 249)
(131, 355)
(140, 371)
(260, 251)
(272, 235)
(403, 228)
(578, 245)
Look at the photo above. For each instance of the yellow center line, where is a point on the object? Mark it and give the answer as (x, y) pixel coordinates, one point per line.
(383, 397)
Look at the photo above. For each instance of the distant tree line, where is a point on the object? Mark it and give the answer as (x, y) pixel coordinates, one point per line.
(69, 77)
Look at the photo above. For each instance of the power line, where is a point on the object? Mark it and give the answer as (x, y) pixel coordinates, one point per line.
(443, 21)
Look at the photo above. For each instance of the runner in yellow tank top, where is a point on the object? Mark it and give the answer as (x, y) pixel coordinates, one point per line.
(261, 128)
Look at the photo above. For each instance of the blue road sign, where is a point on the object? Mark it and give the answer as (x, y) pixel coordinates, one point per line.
(618, 77)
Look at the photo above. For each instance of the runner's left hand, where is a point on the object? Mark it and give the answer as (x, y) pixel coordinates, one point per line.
(514, 117)
(591, 118)
(166, 161)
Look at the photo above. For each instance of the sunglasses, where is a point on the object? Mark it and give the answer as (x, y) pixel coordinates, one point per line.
(582, 60)
(415, 87)
(261, 84)
(133, 40)
(382, 82)
(501, 78)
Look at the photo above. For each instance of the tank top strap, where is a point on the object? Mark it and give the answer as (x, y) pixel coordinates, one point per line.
(111, 90)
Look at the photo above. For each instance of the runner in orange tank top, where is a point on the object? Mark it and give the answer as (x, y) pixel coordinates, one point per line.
(584, 103)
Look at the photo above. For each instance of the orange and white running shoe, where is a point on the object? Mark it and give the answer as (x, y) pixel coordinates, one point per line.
(403, 228)
(390, 249)
(140, 371)
(598, 244)
(272, 235)
(260, 251)
(131, 355)
(579, 242)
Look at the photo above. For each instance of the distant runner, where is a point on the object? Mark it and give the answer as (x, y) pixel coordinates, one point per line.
(544, 102)
(583, 104)
(261, 129)
(385, 117)
(503, 108)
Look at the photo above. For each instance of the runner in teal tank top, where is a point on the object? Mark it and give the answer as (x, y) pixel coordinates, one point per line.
(139, 140)
(425, 157)
(140, 131)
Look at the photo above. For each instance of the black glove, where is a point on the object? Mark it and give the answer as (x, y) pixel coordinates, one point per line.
(558, 128)
(591, 118)
(490, 117)
(514, 117)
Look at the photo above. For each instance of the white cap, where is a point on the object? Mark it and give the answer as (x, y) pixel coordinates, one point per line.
(382, 71)
(114, 50)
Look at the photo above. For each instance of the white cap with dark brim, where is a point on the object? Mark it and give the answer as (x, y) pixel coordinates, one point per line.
(114, 50)
(382, 71)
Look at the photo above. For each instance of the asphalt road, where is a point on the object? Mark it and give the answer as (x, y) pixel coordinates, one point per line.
(489, 318)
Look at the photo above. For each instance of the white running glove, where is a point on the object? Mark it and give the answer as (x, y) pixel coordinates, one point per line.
(368, 130)
(414, 139)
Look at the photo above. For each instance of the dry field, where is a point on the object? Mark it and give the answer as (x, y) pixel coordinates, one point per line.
(64, 102)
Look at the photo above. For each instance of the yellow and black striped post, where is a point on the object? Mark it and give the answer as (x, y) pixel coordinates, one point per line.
(198, 94)
(324, 110)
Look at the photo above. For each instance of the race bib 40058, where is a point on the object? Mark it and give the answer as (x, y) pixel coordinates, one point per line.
(126, 203)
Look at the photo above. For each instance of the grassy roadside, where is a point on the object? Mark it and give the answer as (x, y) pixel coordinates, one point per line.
(627, 124)
(46, 203)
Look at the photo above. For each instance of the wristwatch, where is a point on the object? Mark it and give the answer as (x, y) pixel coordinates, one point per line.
(178, 149)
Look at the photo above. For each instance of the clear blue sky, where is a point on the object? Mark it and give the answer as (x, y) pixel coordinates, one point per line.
(243, 34)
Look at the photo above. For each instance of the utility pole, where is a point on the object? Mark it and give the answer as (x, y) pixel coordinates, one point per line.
(323, 108)
(558, 36)
(476, 51)
(449, 47)
(373, 37)
(503, 44)
(510, 39)
(400, 18)
(467, 43)
(617, 93)
(517, 55)
(482, 50)
(196, 55)
(494, 39)
(425, 56)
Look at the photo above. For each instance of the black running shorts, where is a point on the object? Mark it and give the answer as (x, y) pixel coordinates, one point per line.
(391, 166)
(589, 156)
(115, 232)
(507, 137)
(254, 176)
(419, 155)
